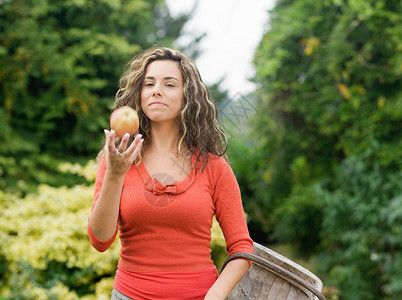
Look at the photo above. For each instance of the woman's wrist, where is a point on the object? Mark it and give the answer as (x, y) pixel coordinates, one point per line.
(113, 176)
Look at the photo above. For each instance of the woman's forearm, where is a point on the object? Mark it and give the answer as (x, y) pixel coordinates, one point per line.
(103, 218)
(227, 280)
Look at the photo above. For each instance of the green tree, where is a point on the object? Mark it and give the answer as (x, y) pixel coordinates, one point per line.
(329, 101)
(60, 62)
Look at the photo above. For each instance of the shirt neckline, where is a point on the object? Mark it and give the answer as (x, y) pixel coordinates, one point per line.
(154, 186)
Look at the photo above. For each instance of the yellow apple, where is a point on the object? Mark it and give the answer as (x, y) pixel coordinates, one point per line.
(124, 119)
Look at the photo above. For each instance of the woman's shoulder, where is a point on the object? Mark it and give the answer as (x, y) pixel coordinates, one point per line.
(217, 164)
(217, 160)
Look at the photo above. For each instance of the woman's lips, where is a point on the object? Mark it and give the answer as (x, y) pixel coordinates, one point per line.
(157, 103)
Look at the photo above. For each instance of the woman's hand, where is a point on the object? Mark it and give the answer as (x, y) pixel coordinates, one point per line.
(119, 161)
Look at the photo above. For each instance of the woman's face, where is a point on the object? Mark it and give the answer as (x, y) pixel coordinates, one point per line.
(162, 91)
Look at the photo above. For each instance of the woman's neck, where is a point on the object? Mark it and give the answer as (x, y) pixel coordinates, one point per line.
(164, 138)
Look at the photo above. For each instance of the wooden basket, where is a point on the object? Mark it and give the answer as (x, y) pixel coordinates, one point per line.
(273, 276)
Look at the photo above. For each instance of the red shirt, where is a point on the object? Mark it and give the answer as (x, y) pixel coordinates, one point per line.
(166, 228)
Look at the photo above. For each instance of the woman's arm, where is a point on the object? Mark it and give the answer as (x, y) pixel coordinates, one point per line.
(231, 218)
(227, 280)
(104, 216)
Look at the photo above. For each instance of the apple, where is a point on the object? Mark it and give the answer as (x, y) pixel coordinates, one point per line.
(124, 119)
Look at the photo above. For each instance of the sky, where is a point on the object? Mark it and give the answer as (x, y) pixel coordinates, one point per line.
(233, 30)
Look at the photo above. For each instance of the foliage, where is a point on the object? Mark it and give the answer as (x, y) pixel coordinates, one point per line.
(45, 252)
(45, 248)
(362, 228)
(59, 68)
(328, 90)
(328, 153)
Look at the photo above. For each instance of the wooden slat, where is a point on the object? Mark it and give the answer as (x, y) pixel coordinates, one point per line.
(273, 276)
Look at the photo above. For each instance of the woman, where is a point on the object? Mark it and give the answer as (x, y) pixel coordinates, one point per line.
(162, 188)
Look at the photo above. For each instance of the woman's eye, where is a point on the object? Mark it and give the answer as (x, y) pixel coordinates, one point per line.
(170, 84)
(148, 84)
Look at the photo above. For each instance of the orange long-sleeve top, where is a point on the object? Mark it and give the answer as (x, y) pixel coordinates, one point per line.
(166, 228)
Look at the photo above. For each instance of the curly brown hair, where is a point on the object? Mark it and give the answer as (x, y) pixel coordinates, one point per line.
(200, 131)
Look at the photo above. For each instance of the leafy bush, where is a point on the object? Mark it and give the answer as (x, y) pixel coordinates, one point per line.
(361, 231)
(46, 249)
(299, 219)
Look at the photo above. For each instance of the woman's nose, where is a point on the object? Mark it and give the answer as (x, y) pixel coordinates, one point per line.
(156, 91)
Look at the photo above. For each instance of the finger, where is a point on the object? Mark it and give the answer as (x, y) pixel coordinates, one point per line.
(106, 138)
(137, 150)
(110, 142)
(123, 144)
(134, 145)
(106, 146)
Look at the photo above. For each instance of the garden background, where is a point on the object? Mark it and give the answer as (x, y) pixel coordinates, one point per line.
(318, 157)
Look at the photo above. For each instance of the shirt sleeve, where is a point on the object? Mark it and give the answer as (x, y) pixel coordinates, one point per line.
(98, 244)
(230, 213)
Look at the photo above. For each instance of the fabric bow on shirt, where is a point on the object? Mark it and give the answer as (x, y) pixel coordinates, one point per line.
(153, 185)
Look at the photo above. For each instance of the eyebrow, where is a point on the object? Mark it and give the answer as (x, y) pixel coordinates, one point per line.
(165, 78)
